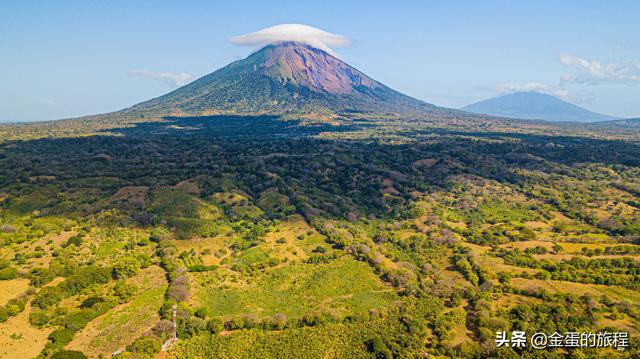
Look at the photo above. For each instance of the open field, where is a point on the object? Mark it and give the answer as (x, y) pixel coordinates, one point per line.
(121, 325)
(20, 340)
(12, 289)
(620, 294)
(340, 287)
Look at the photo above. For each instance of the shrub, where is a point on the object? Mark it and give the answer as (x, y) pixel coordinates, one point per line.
(378, 347)
(89, 302)
(163, 329)
(4, 314)
(75, 240)
(124, 291)
(125, 268)
(215, 325)
(202, 268)
(233, 324)
(8, 273)
(61, 336)
(319, 249)
(144, 260)
(148, 345)
(251, 321)
(200, 313)
(38, 318)
(68, 354)
(40, 276)
(278, 321)
(47, 297)
(189, 327)
(79, 320)
(318, 318)
(179, 288)
(85, 277)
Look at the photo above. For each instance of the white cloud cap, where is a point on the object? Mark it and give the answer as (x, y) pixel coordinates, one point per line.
(169, 78)
(532, 86)
(293, 32)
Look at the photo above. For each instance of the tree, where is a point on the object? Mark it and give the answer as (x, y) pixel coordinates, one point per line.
(215, 325)
(188, 327)
(148, 345)
(125, 268)
(163, 329)
(378, 347)
(61, 336)
(124, 291)
(40, 276)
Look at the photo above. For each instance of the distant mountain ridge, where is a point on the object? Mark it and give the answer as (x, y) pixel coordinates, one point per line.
(625, 123)
(535, 106)
(288, 77)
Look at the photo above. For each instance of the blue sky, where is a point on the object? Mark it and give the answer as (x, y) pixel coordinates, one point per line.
(60, 59)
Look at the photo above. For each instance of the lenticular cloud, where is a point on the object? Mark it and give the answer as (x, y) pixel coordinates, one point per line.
(293, 32)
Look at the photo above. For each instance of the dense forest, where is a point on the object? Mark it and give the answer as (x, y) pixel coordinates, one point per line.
(346, 238)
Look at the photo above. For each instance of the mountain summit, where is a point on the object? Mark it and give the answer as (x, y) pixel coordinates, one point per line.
(535, 106)
(288, 77)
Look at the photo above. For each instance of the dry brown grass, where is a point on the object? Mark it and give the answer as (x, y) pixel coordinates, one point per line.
(492, 264)
(623, 325)
(189, 186)
(13, 288)
(27, 341)
(135, 194)
(568, 256)
(557, 286)
(527, 244)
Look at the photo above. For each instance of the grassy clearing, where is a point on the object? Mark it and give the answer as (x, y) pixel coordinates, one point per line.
(342, 286)
(506, 301)
(13, 288)
(19, 340)
(271, 200)
(528, 244)
(136, 194)
(238, 203)
(187, 216)
(493, 264)
(210, 250)
(556, 286)
(577, 247)
(121, 325)
(568, 256)
(295, 239)
(624, 324)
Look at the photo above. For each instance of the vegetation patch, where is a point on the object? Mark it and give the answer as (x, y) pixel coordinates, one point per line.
(339, 287)
(121, 325)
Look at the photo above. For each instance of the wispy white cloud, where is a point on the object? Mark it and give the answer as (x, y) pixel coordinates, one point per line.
(532, 86)
(596, 72)
(293, 32)
(170, 78)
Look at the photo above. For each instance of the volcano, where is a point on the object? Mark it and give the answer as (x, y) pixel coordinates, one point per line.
(535, 106)
(284, 78)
